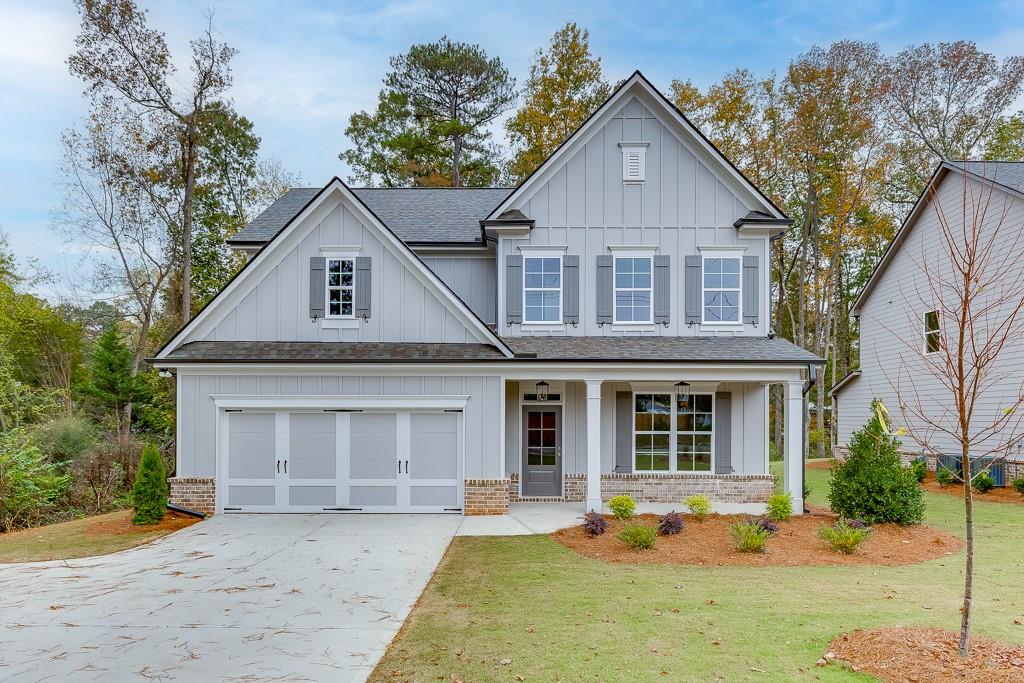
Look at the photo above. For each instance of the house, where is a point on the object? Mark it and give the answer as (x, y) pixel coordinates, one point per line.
(602, 328)
(899, 321)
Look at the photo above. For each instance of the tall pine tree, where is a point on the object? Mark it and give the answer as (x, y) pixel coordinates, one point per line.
(112, 381)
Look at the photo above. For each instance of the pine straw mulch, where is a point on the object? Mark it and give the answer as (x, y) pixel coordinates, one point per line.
(120, 523)
(796, 545)
(1000, 494)
(926, 655)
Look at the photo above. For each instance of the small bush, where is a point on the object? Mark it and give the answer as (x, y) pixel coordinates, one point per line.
(945, 476)
(749, 537)
(149, 495)
(780, 507)
(774, 452)
(768, 525)
(1018, 484)
(30, 485)
(671, 524)
(638, 536)
(807, 491)
(919, 466)
(65, 438)
(983, 482)
(856, 524)
(699, 506)
(843, 537)
(622, 507)
(594, 523)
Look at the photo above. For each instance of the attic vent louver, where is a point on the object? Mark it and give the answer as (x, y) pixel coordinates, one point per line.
(634, 161)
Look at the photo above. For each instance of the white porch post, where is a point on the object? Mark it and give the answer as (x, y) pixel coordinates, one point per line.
(793, 459)
(593, 445)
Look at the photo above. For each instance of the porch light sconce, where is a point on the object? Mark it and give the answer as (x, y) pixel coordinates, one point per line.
(683, 393)
(542, 390)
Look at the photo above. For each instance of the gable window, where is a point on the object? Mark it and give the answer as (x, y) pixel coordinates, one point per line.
(340, 287)
(721, 275)
(931, 332)
(673, 434)
(542, 289)
(632, 289)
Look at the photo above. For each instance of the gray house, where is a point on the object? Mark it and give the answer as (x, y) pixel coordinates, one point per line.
(898, 310)
(602, 328)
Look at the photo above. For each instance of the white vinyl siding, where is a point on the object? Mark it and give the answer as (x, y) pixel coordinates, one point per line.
(633, 289)
(542, 289)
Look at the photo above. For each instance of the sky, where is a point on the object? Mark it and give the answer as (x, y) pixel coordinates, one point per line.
(304, 67)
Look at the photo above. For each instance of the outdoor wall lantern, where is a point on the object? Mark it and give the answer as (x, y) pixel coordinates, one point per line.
(683, 393)
(542, 390)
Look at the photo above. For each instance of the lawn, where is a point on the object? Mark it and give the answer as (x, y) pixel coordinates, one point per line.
(551, 615)
(97, 535)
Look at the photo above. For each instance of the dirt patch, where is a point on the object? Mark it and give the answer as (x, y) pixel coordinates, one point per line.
(820, 464)
(927, 655)
(121, 523)
(796, 545)
(1000, 494)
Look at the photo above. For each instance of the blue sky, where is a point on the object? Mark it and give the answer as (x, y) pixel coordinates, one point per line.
(304, 67)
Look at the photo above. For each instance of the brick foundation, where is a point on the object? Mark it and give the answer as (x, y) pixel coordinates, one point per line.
(486, 497)
(662, 488)
(196, 493)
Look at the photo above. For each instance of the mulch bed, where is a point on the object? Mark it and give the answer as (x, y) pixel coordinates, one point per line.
(926, 655)
(1000, 494)
(122, 524)
(796, 545)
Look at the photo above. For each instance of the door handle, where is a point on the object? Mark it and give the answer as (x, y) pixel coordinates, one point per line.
(279, 467)
(286, 467)
(399, 466)
(407, 467)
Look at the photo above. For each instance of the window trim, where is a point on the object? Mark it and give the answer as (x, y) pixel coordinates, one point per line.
(561, 287)
(338, 256)
(926, 332)
(722, 254)
(649, 257)
(673, 432)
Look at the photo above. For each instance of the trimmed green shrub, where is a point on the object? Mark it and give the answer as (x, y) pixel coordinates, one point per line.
(945, 476)
(750, 537)
(780, 507)
(983, 482)
(919, 466)
(843, 537)
(871, 484)
(149, 495)
(699, 506)
(622, 506)
(1018, 484)
(638, 536)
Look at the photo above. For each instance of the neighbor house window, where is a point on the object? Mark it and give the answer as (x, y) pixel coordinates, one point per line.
(340, 287)
(632, 289)
(931, 332)
(673, 434)
(721, 289)
(542, 286)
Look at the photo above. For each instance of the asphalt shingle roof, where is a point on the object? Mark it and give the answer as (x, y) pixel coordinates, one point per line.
(414, 214)
(1008, 173)
(675, 349)
(331, 352)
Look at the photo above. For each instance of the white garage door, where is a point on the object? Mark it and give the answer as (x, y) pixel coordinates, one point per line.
(341, 461)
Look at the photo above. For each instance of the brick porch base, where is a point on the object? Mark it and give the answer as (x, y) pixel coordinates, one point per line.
(662, 488)
(196, 493)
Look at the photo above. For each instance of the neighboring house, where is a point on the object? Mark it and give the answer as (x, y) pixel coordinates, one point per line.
(897, 310)
(603, 328)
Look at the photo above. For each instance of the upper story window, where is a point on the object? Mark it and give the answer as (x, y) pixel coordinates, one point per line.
(542, 289)
(634, 161)
(340, 287)
(633, 289)
(931, 332)
(721, 273)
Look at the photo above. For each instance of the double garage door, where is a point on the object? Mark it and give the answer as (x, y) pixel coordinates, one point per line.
(341, 461)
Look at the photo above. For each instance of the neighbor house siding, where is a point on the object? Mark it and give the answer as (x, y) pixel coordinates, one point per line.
(472, 278)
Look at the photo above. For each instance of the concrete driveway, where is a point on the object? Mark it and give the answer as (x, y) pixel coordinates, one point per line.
(236, 598)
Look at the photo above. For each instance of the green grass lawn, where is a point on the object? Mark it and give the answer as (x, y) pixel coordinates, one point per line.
(556, 616)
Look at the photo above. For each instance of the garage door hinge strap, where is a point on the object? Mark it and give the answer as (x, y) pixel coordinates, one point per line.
(345, 509)
(343, 410)
(229, 509)
(232, 410)
(455, 410)
(453, 509)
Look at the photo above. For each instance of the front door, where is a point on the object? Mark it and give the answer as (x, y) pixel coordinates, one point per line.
(542, 451)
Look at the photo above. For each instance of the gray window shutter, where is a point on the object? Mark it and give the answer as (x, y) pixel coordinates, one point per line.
(692, 289)
(571, 289)
(514, 288)
(317, 286)
(623, 431)
(723, 432)
(751, 298)
(364, 288)
(604, 289)
(662, 289)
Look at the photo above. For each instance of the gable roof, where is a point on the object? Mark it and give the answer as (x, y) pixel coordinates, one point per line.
(418, 215)
(638, 82)
(264, 259)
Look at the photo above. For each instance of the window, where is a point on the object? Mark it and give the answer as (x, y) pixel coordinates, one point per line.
(721, 289)
(632, 289)
(340, 287)
(671, 434)
(931, 332)
(542, 285)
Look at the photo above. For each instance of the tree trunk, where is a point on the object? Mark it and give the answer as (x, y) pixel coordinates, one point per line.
(966, 610)
(186, 221)
(456, 161)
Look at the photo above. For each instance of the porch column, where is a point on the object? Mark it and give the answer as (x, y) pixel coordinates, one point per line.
(593, 445)
(793, 458)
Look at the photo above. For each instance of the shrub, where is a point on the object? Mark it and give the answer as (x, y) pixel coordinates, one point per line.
(1018, 484)
(843, 537)
(149, 495)
(856, 524)
(29, 483)
(749, 537)
(945, 476)
(780, 507)
(774, 452)
(870, 484)
(671, 523)
(65, 438)
(638, 536)
(816, 439)
(983, 482)
(919, 466)
(594, 523)
(768, 525)
(622, 506)
(699, 506)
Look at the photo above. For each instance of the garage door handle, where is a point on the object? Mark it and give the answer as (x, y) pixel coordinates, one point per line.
(286, 467)
(279, 467)
(407, 467)
(399, 466)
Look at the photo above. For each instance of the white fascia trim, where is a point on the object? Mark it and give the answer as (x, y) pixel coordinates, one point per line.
(340, 402)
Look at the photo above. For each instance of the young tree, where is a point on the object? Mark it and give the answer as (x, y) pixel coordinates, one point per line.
(565, 86)
(149, 494)
(112, 381)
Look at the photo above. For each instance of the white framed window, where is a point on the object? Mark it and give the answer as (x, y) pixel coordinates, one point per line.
(341, 287)
(932, 332)
(542, 289)
(634, 161)
(633, 289)
(672, 434)
(721, 288)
